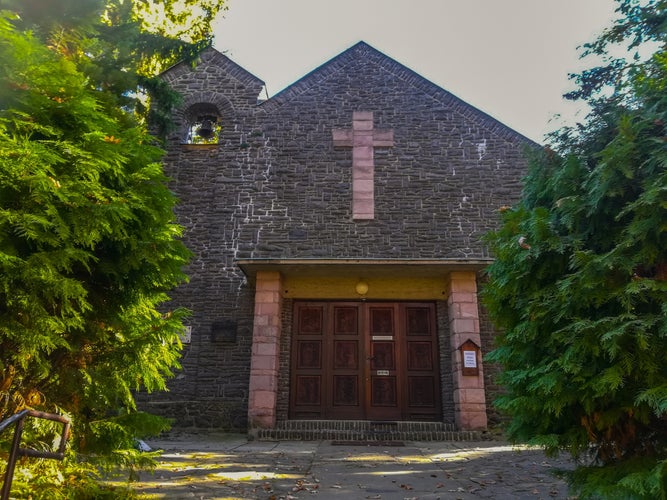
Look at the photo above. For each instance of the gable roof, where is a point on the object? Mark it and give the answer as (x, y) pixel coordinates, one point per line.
(215, 58)
(362, 50)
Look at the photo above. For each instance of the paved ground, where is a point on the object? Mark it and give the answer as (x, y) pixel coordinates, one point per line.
(231, 467)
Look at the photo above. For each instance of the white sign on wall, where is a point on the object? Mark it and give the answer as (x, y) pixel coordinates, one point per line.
(469, 359)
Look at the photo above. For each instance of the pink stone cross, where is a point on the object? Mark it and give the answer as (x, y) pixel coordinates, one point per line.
(363, 139)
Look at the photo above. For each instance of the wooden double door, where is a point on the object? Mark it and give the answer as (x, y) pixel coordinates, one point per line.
(365, 361)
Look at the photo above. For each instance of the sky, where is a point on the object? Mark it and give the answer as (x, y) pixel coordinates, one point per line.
(509, 58)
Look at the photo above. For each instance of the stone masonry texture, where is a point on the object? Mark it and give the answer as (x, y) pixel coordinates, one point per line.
(275, 187)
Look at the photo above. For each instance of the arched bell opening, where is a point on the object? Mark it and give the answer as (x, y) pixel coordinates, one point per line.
(203, 124)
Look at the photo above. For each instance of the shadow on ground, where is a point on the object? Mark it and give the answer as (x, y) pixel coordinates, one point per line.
(233, 468)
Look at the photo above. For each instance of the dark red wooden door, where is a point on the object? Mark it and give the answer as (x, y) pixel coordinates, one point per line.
(383, 375)
(375, 361)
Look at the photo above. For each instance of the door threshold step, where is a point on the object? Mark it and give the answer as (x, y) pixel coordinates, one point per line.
(367, 443)
(364, 431)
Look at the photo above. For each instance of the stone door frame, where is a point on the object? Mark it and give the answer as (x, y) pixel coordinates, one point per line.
(272, 285)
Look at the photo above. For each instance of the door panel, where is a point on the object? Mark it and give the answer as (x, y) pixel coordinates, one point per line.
(421, 392)
(346, 354)
(346, 394)
(311, 320)
(308, 390)
(309, 354)
(382, 356)
(383, 396)
(375, 361)
(383, 374)
(346, 320)
(345, 390)
(420, 356)
(422, 367)
(307, 367)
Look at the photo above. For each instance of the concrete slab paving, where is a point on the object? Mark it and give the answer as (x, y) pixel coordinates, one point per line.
(228, 466)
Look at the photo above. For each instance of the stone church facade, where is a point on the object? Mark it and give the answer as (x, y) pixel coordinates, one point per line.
(336, 230)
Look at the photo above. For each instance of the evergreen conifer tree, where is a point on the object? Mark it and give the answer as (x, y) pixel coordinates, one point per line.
(579, 285)
(89, 248)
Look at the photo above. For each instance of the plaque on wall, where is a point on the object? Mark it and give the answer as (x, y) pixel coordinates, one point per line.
(223, 330)
(469, 359)
(469, 354)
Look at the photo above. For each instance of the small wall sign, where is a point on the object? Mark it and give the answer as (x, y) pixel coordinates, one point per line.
(223, 331)
(469, 355)
(470, 359)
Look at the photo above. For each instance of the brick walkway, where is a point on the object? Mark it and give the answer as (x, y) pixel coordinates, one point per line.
(230, 467)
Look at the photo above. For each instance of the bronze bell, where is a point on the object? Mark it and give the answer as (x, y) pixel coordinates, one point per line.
(205, 130)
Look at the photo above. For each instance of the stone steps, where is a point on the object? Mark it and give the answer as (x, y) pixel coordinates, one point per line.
(364, 430)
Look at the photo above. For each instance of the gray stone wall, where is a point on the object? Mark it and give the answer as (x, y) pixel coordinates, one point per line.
(437, 190)
(275, 187)
(218, 188)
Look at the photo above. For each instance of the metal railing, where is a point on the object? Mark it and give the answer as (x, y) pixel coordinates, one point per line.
(16, 450)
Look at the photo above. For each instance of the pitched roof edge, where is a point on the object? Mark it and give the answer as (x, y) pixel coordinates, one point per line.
(403, 72)
(464, 108)
(304, 83)
(215, 57)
